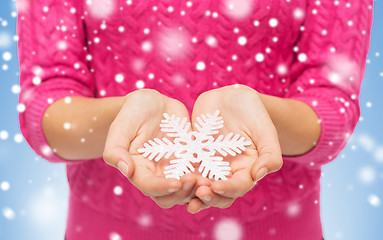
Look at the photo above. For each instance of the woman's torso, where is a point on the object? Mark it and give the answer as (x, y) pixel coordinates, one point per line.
(152, 44)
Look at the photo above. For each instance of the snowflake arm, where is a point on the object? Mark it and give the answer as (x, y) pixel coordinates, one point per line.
(213, 166)
(209, 124)
(178, 168)
(232, 145)
(174, 127)
(158, 147)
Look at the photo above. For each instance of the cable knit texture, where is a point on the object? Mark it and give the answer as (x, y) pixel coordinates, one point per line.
(313, 51)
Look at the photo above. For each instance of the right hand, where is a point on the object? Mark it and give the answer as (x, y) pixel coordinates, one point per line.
(136, 123)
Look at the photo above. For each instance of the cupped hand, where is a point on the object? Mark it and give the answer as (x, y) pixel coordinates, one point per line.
(243, 112)
(138, 121)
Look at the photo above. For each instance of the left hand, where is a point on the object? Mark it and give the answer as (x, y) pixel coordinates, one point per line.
(137, 121)
(243, 112)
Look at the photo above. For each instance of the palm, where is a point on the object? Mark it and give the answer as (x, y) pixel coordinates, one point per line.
(148, 166)
(145, 166)
(150, 129)
(243, 113)
(137, 122)
(240, 164)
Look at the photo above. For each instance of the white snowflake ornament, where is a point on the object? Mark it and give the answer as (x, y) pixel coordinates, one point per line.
(195, 146)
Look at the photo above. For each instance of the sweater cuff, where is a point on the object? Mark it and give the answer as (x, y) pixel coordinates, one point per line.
(36, 101)
(335, 128)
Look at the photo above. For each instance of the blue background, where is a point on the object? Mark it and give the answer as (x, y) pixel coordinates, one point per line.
(34, 206)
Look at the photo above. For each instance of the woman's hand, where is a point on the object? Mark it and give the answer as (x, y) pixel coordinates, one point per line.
(136, 123)
(243, 112)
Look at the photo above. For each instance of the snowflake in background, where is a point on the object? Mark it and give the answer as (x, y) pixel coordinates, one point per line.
(195, 146)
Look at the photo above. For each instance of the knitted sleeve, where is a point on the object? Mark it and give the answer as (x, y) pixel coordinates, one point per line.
(52, 61)
(331, 58)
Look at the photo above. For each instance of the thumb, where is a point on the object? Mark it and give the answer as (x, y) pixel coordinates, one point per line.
(268, 162)
(119, 158)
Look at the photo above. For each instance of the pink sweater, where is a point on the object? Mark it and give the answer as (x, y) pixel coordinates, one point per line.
(313, 51)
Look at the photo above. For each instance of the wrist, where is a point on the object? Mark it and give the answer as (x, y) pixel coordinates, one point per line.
(296, 122)
(275, 107)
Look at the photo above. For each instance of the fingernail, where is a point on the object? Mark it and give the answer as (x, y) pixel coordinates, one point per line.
(219, 192)
(172, 190)
(261, 173)
(123, 167)
(187, 186)
(207, 198)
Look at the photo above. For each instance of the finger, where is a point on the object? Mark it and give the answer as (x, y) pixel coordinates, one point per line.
(238, 185)
(202, 181)
(203, 207)
(119, 158)
(189, 183)
(117, 144)
(153, 186)
(209, 198)
(182, 196)
(195, 206)
(269, 160)
(124, 127)
(269, 151)
(188, 178)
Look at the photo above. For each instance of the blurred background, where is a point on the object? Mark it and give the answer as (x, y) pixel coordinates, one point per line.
(34, 193)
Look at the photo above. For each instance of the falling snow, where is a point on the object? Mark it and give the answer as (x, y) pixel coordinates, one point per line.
(228, 229)
(366, 142)
(115, 236)
(273, 22)
(119, 78)
(211, 41)
(293, 209)
(144, 220)
(140, 84)
(242, 40)
(7, 56)
(238, 9)
(5, 186)
(117, 190)
(8, 213)
(62, 45)
(18, 138)
(174, 43)
(298, 14)
(374, 200)
(302, 57)
(101, 8)
(178, 79)
(200, 66)
(342, 70)
(147, 46)
(367, 175)
(5, 40)
(282, 69)
(259, 57)
(378, 154)
(3, 135)
(67, 126)
(43, 207)
(20, 107)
